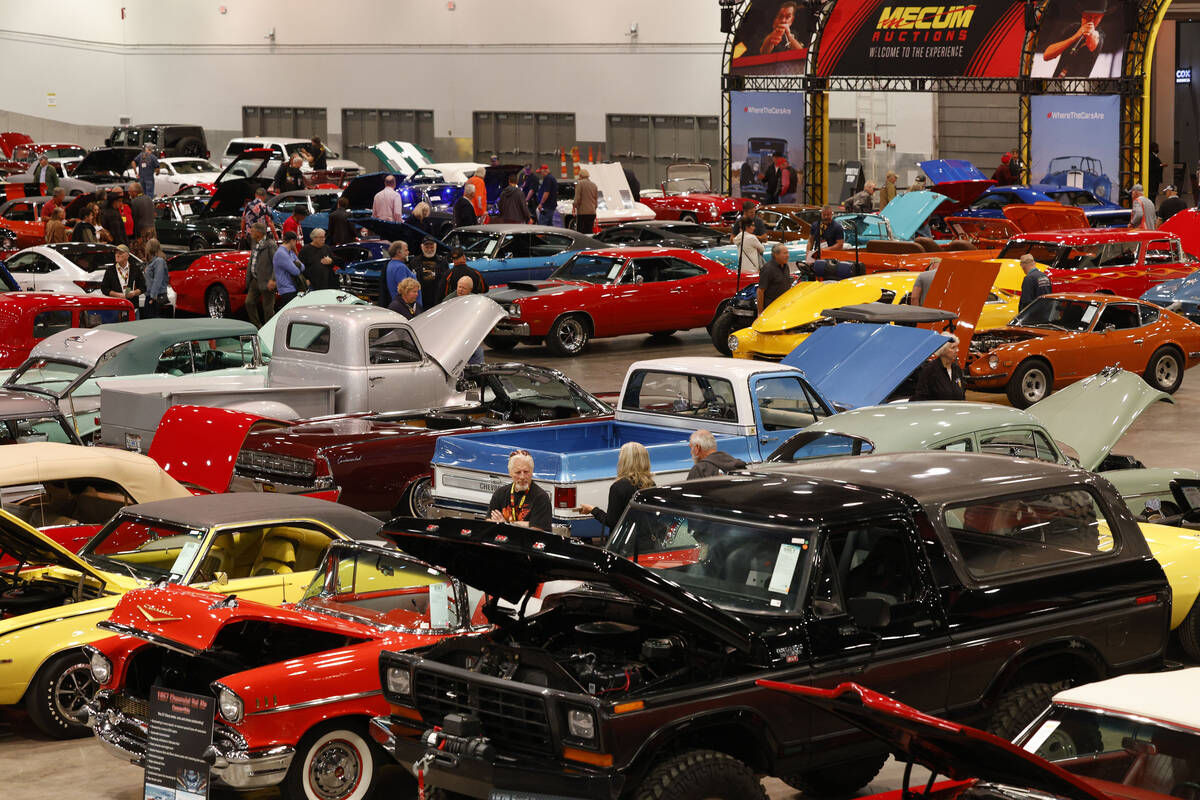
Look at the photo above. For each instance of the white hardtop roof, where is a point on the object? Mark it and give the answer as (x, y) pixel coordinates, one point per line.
(731, 368)
(1169, 697)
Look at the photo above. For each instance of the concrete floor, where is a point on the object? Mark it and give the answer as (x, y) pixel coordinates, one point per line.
(80, 770)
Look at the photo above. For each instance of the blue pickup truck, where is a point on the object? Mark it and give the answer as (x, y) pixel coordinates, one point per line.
(751, 407)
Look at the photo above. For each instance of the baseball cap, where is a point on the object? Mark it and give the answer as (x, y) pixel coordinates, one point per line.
(1137, 187)
(545, 167)
(429, 240)
(457, 252)
(1169, 189)
(122, 248)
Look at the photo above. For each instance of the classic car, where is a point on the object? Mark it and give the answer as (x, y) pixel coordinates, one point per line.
(992, 233)
(615, 201)
(1084, 171)
(22, 217)
(1120, 262)
(959, 180)
(70, 366)
(660, 233)
(309, 738)
(260, 547)
(379, 462)
(338, 170)
(26, 417)
(612, 292)
(691, 200)
(884, 569)
(1133, 737)
(101, 168)
(209, 282)
(787, 222)
(196, 222)
(1100, 213)
(28, 317)
(1062, 338)
(11, 144)
(69, 268)
(69, 492)
(1180, 294)
(65, 157)
(316, 203)
(177, 172)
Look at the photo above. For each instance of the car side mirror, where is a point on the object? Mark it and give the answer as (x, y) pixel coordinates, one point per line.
(221, 578)
(1108, 328)
(870, 612)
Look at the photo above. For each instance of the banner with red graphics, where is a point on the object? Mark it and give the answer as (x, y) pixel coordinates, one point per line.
(893, 39)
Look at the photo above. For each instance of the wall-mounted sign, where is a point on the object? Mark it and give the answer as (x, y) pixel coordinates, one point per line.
(1183, 75)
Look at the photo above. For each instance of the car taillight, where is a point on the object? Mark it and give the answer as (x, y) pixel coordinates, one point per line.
(88, 286)
(564, 496)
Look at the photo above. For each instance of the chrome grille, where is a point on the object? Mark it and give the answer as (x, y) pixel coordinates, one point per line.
(511, 719)
(360, 285)
(134, 707)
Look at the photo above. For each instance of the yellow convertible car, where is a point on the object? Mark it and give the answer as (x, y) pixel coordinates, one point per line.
(798, 312)
(261, 547)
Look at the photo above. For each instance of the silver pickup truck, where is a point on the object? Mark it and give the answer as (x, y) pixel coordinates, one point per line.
(325, 360)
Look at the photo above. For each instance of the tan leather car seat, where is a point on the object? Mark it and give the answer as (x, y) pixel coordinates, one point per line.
(277, 557)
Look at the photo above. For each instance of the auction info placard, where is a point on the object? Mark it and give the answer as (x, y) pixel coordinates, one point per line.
(886, 37)
(181, 729)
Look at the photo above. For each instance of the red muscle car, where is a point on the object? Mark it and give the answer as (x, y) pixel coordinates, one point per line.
(294, 687)
(614, 292)
(28, 317)
(688, 199)
(212, 283)
(1062, 338)
(23, 217)
(1105, 260)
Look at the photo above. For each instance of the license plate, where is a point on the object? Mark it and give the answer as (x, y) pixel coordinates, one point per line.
(269, 487)
(133, 441)
(505, 794)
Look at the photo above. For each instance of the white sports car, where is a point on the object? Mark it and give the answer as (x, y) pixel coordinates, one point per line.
(178, 172)
(69, 268)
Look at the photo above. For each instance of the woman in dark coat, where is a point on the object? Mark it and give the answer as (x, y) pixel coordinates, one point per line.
(633, 473)
(941, 378)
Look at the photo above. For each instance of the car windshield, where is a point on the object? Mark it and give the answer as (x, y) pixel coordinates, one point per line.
(43, 428)
(476, 244)
(820, 444)
(1042, 252)
(389, 591)
(47, 374)
(731, 563)
(684, 185)
(323, 203)
(147, 548)
(589, 268)
(526, 394)
(193, 166)
(1118, 753)
(1064, 163)
(1058, 313)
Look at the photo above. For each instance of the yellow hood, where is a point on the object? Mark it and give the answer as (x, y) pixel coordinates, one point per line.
(1178, 551)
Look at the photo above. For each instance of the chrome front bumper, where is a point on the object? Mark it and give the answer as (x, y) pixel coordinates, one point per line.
(124, 737)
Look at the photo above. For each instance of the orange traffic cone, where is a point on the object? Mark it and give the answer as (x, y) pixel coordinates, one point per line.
(562, 151)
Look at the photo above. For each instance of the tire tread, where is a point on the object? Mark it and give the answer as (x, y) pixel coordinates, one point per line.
(699, 774)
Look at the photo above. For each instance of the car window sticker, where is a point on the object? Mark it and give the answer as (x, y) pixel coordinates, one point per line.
(1088, 313)
(785, 568)
(184, 559)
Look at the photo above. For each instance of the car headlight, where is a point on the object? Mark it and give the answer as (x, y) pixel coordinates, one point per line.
(399, 681)
(993, 361)
(222, 236)
(230, 705)
(581, 723)
(101, 668)
(514, 311)
(733, 343)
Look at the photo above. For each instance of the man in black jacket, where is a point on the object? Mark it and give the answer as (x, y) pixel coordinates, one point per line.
(317, 258)
(709, 460)
(464, 208)
(460, 269)
(124, 278)
(430, 268)
(341, 229)
(512, 207)
(941, 378)
(1171, 205)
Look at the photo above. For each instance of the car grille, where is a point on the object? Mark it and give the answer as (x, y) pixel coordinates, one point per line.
(360, 285)
(511, 719)
(776, 357)
(134, 707)
(730, 216)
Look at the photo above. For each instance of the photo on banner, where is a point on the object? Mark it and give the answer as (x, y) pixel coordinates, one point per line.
(772, 38)
(767, 145)
(1081, 39)
(1075, 142)
(896, 39)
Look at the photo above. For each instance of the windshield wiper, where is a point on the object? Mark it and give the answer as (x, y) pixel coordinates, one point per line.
(132, 573)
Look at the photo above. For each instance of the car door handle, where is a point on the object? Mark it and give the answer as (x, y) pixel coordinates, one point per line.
(764, 440)
(1138, 341)
(375, 378)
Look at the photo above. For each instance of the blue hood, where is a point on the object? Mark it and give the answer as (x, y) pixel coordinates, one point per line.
(861, 364)
(948, 170)
(1167, 292)
(909, 211)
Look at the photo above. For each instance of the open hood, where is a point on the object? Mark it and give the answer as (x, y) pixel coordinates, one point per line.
(225, 430)
(106, 161)
(1093, 414)
(390, 230)
(191, 619)
(1185, 225)
(361, 189)
(509, 562)
(403, 157)
(960, 181)
(947, 748)
(857, 365)
(230, 195)
(1037, 217)
(74, 345)
(908, 212)
(452, 330)
(615, 194)
(30, 546)
(986, 232)
(962, 287)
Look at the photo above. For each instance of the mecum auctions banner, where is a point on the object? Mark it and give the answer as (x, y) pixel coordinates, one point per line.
(765, 128)
(894, 39)
(1076, 141)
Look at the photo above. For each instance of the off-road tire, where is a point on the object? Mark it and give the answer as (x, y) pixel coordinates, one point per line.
(1019, 706)
(1165, 370)
(701, 775)
(841, 780)
(1031, 381)
(569, 335)
(51, 695)
(321, 753)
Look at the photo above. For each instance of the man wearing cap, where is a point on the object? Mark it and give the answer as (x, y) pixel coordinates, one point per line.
(1143, 210)
(287, 268)
(547, 196)
(1003, 175)
(123, 278)
(1171, 205)
(941, 378)
(1077, 48)
(460, 269)
(430, 268)
(147, 167)
(260, 276)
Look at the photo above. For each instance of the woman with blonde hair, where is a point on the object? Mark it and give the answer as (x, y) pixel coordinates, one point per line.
(633, 473)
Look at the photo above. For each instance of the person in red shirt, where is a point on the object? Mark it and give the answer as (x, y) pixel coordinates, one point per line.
(57, 201)
(292, 223)
(127, 217)
(480, 200)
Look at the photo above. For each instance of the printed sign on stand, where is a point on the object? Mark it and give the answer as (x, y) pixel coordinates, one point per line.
(181, 729)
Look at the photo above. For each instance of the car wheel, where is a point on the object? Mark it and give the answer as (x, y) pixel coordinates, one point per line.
(1018, 707)
(216, 301)
(197, 243)
(501, 344)
(841, 780)
(722, 329)
(1165, 370)
(701, 775)
(663, 334)
(420, 499)
(687, 216)
(336, 761)
(568, 335)
(57, 695)
(1032, 381)
(191, 147)
(1189, 632)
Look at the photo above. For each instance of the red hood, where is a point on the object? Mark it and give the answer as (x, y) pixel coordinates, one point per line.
(960, 194)
(223, 431)
(1185, 225)
(192, 618)
(961, 286)
(1036, 217)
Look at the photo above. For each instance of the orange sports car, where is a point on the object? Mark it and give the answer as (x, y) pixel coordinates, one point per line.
(1061, 338)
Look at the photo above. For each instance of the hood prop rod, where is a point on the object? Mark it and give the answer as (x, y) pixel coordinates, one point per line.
(907, 793)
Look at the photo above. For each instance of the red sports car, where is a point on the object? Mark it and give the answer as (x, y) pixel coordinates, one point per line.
(28, 317)
(209, 282)
(1105, 260)
(689, 200)
(613, 292)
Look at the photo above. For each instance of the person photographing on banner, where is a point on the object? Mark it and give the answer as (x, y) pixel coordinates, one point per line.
(522, 502)
(1080, 46)
(781, 37)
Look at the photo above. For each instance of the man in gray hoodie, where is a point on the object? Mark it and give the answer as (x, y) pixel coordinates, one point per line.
(709, 460)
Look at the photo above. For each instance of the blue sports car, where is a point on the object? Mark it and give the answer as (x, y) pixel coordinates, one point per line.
(1085, 170)
(317, 203)
(1100, 213)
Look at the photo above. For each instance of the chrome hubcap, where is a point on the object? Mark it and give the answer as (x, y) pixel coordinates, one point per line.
(216, 305)
(1166, 372)
(1033, 385)
(422, 499)
(73, 689)
(335, 770)
(570, 333)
